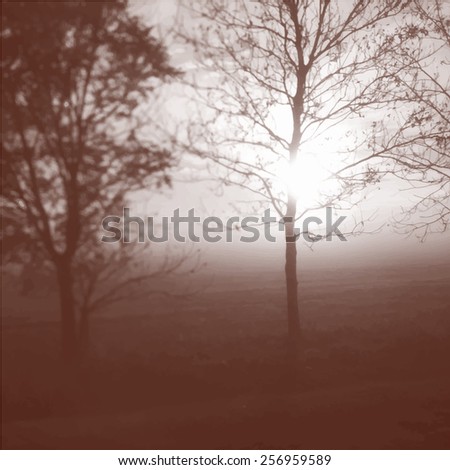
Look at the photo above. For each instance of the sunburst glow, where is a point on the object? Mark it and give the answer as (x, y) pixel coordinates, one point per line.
(307, 179)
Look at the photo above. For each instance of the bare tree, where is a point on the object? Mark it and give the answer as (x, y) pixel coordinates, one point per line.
(427, 85)
(74, 76)
(271, 82)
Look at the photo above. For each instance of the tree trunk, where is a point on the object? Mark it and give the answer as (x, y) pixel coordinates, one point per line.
(84, 332)
(291, 281)
(67, 305)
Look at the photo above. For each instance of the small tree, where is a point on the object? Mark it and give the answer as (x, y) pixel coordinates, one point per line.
(74, 75)
(273, 81)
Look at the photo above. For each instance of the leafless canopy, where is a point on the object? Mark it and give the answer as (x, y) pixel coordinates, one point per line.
(273, 81)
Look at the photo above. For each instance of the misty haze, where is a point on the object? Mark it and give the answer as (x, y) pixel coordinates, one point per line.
(249, 333)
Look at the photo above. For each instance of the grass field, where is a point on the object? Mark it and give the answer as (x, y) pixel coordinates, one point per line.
(210, 371)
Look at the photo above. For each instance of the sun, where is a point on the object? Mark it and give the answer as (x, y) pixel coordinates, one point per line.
(308, 179)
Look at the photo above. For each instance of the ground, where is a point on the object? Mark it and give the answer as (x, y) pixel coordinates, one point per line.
(210, 371)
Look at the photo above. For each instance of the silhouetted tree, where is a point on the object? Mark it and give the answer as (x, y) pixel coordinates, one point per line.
(74, 75)
(274, 80)
(424, 162)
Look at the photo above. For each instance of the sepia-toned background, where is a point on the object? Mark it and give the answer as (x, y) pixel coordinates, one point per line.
(227, 108)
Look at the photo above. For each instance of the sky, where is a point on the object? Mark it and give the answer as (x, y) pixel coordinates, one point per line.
(198, 189)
